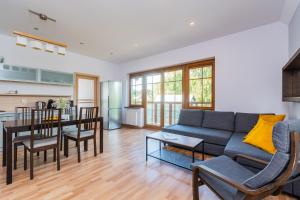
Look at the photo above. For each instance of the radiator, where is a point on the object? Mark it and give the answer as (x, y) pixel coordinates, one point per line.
(134, 117)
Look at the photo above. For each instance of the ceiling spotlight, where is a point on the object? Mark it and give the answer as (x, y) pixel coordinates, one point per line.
(136, 45)
(192, 23)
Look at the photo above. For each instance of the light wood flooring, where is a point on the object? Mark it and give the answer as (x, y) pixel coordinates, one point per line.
(120, 173)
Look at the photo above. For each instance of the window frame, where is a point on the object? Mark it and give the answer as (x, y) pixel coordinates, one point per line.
(142, 100)
(187, 79)
(185, 84)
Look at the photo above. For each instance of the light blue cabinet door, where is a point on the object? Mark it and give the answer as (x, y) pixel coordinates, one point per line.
(48, 76)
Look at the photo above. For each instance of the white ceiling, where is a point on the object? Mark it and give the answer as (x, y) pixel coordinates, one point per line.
(107, 26)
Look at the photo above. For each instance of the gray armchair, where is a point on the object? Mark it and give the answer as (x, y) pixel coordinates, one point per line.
(231, 181)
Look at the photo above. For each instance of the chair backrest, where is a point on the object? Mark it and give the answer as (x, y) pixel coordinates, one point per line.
(23, 113)
(87, 119)
(284, 161)
(72, 110)
(47, 122)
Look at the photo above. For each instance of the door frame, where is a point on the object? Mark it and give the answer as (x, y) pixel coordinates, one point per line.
(78, 75)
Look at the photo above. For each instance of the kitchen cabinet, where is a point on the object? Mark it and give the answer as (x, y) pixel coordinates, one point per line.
(48, 76)
(34, 75)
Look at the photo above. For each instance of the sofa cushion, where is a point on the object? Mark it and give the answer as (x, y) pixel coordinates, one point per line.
(244, 122)
(214, 136)
(237, 146)
(190, 117)
(218, 120)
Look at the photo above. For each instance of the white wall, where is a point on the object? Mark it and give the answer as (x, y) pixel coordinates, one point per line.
(71, 62)
(248, 67)
(294, 44)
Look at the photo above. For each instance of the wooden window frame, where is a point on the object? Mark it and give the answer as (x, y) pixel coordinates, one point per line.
(185, 84)
(130, 103)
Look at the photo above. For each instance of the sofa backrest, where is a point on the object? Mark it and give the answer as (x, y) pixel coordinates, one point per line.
(190, 117)
(244, 122)
(218, 120)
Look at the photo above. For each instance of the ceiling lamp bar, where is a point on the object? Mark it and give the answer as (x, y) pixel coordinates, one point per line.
(49, 48)
(37, 42)
(36, 45)
(27, 35)
(21, 41)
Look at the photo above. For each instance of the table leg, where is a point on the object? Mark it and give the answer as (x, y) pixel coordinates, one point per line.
(4, 148)
(8, 157)
(101, 135)
(146, 149)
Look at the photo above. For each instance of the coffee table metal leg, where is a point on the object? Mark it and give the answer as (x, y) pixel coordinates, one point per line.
(160, 149)
(193, 155)
(146, 149)
(202, 150)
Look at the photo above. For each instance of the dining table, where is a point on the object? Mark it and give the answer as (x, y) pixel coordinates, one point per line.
(20, 125)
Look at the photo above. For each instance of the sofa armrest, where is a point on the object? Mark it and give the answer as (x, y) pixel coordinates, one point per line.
(263, 162)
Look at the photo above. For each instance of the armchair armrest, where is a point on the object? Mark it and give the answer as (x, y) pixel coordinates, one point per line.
(226, 179)
(260, 161)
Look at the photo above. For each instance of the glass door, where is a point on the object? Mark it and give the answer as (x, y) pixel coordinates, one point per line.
(153, 100)
(86, 90)
(172, 96)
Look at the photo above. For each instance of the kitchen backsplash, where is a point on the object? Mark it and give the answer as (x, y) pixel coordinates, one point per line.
(9, 102)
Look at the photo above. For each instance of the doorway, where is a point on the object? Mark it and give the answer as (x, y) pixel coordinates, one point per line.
(86, 88)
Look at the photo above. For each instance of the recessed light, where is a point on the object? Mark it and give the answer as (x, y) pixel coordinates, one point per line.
(136, 45)
(36, 28)
(82, 43)
(192, 23)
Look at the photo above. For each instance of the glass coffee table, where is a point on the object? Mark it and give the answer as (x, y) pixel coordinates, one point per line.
(172, 157)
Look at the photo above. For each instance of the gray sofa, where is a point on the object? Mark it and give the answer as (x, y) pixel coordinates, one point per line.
(223, 133)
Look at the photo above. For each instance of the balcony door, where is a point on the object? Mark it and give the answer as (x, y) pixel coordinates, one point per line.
(173, 98)
(153, 100)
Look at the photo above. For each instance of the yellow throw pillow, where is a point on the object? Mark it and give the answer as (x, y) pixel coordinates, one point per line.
(261, 135)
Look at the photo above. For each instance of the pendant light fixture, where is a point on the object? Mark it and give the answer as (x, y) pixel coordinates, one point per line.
(39, 43)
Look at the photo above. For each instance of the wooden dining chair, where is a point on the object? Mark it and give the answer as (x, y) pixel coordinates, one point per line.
(73, 112)
(49, 127)
(86, 130)
(22, 113)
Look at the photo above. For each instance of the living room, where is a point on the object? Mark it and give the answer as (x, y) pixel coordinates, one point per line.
(177, 99)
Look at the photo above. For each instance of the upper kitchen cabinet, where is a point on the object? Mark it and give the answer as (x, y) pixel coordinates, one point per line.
(17, 73)
(55, 77)
(34, 75)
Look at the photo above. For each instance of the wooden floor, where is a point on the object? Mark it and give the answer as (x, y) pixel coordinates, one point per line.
(120, 173)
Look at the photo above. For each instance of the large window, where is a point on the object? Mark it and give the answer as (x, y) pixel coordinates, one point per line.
(163, 92)
(200, 86)
(136, 85)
